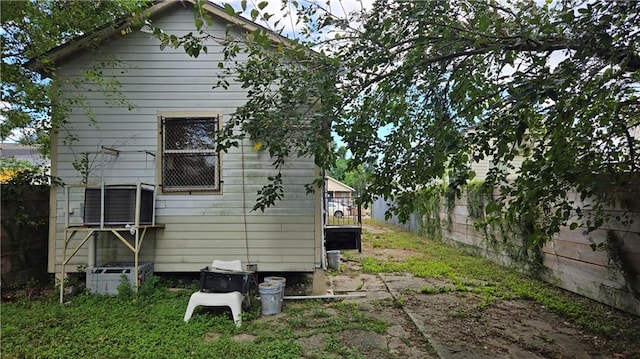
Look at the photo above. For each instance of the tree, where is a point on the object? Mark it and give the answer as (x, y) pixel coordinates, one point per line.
(461, 81)
(418, 90)
(30, 29)
(424, 88)
(339, 169)
(353, 176)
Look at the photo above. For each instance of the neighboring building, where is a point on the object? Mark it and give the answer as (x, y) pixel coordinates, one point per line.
(13, 157)
(339, 192)
(343, 220)
(195, 204)
(25, 153)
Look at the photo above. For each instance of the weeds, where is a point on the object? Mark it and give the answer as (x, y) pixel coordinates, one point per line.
(148, 324)
(491, 282)
(435, 290)
(340, 350)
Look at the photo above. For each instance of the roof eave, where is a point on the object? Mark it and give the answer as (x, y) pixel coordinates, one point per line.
(44, 64)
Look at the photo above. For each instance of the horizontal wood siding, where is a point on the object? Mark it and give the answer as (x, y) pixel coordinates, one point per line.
(199, 226)
(480, 168)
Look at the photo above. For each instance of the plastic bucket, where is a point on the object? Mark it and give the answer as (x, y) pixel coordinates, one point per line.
(270, 297)
(333, 259)
(281, 281)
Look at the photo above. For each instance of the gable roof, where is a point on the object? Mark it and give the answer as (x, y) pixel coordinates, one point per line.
(45, 62)
(333, 185)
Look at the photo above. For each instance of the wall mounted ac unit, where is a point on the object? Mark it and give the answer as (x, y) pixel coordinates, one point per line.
(119, 205)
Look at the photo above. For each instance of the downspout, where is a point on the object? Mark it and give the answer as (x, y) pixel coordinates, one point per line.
(323, 218)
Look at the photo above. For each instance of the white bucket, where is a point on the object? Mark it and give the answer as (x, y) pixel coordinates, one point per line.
(333, 259)
(282, 282)
(270, 297)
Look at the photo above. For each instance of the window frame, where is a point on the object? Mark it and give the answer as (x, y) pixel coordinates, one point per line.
(163, 117)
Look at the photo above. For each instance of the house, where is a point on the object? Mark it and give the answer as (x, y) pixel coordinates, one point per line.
(339, 192)
(15, 154)
(27, 153)
(170, 199)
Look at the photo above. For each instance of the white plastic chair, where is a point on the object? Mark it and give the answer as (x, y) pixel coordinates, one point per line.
(233, 300)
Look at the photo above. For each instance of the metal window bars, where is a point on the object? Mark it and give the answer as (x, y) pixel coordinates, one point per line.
(189, 158)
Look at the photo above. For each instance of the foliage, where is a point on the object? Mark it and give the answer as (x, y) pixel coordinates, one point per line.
(426, 88)
(12, 169)
(341, 166)
(29, 30)
(343, 170)
(429, 209)
(519, 240)
(417, 90)
(477, 81)
(477, 196)
(149, 324)
(125, 290)
(618, 262)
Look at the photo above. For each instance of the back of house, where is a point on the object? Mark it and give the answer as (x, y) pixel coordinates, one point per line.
(142, 135)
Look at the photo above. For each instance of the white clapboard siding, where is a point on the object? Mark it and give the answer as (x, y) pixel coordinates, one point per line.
(198, 227)
(480, 168)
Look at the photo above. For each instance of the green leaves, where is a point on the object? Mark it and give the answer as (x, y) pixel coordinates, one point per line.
(419, 91)
(30, 29)
(228, 8)
(476, 80)
(270, 193)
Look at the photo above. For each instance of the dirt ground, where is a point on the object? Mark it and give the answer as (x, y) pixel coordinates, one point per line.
(459, 325)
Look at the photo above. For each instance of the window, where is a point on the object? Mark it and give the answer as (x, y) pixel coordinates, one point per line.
(189, 158)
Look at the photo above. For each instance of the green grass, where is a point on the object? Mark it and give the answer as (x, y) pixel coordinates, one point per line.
(149, 325)
(114, 327)
(435, 259)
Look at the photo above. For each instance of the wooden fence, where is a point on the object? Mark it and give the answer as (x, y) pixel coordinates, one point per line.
(24, 216)
(610, 273)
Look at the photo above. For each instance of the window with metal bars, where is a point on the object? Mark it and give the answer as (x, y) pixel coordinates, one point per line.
(189, 158)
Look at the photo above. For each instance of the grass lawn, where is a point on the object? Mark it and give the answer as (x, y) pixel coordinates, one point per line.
(148, 324)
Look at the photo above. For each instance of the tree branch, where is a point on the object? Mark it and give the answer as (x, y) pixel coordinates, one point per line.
(627, 62)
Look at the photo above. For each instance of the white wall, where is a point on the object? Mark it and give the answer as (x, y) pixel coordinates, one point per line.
(198, 227)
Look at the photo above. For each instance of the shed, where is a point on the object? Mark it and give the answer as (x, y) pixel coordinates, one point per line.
(149, 151)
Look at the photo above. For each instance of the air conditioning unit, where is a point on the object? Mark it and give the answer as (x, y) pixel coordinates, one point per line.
(119, 205)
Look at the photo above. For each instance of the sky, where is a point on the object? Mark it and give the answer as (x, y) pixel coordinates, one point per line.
(340, 8)
(16, 134)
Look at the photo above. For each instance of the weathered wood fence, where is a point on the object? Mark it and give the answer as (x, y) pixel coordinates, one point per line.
(609, 274)
(24, 214)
